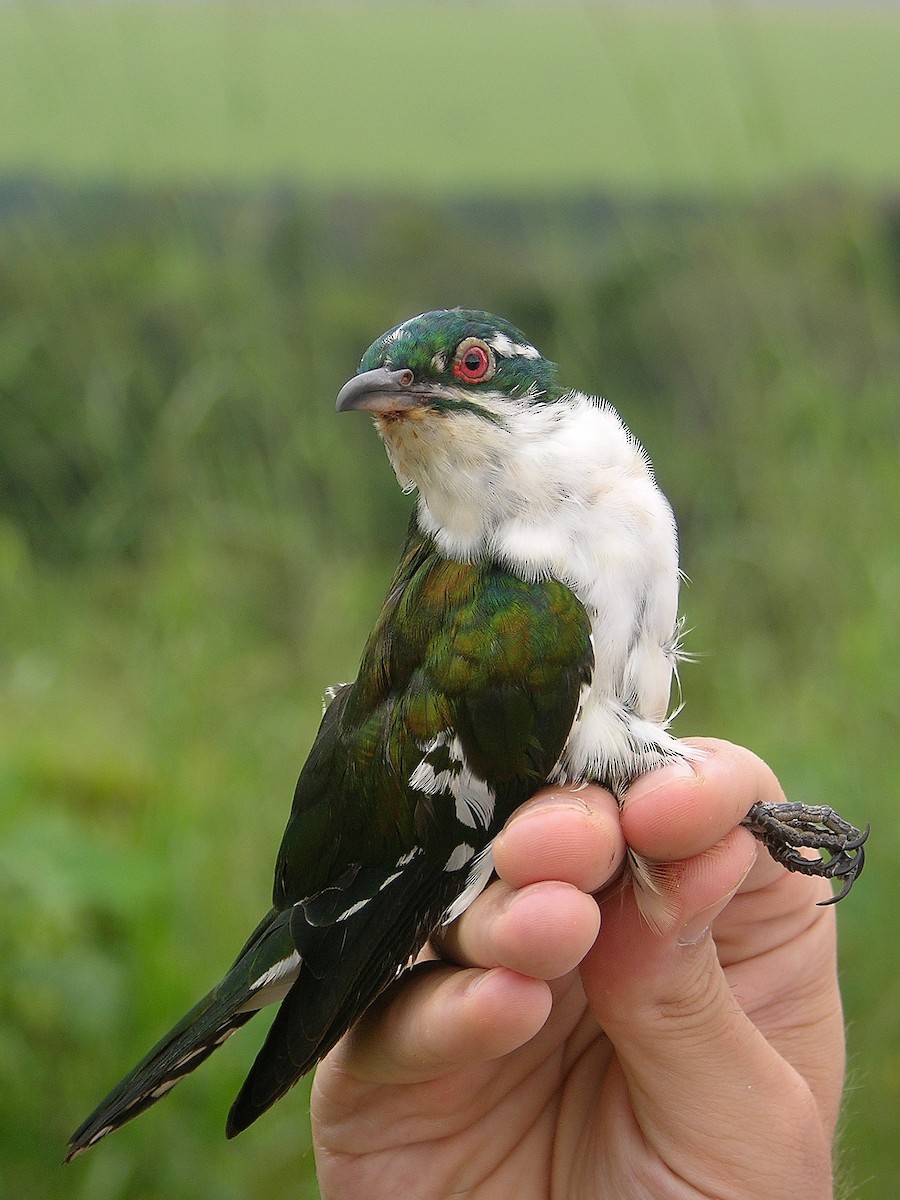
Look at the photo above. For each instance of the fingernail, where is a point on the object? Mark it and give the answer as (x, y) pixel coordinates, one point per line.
(480, 978)
(568, 800)
(652, 781)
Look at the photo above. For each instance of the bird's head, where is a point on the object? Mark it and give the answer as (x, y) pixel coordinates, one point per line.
(450, 362)
(471, 415)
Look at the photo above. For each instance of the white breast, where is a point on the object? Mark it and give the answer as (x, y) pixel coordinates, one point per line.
(563, 490)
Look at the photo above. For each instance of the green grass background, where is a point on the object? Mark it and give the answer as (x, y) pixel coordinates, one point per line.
(207, 212)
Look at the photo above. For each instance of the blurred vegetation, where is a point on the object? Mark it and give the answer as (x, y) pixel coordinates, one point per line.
(192, 546)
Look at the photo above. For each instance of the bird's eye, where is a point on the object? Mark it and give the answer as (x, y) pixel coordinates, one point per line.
(473, 361)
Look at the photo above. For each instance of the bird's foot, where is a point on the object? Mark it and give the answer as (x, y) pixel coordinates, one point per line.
(785, 829)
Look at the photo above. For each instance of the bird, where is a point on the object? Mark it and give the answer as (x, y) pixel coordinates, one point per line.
(530, 635)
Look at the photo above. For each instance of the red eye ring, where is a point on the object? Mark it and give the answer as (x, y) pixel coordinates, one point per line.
(473, 361)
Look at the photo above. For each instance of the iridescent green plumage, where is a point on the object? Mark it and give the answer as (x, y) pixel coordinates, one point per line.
(460, 647)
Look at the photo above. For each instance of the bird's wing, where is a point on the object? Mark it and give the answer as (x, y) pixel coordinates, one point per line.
(470, 671)
(467, 691)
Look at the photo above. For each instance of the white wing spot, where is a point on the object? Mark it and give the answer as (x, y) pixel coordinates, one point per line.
(474, 799)
(460, 856)
(353, 909)
(479, 873)
(283, 967)
(475, 805)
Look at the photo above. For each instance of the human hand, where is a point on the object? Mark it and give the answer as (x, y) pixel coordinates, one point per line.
(568, 1050)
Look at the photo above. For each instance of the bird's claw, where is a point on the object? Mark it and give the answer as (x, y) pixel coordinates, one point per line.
(785, 829)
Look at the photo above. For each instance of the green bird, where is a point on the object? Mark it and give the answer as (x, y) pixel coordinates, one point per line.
(530, 635)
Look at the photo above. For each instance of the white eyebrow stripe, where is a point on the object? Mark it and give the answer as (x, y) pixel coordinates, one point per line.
(509, 349)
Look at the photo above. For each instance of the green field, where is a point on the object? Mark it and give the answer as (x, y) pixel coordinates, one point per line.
(450, 97)
(207, 212)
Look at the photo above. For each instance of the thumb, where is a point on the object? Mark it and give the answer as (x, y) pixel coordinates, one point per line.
(709, 1094)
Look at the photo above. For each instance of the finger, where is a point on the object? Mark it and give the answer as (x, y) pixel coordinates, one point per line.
(682, 809)
(437, 1018)
(567, 834)
(685, 1046)
(543, 930)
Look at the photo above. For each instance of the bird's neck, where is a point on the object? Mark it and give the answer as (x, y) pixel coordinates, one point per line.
(534, 490)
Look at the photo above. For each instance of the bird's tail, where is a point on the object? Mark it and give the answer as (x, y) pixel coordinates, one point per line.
(262, 973)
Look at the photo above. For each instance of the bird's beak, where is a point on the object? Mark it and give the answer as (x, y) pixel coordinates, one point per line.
(381, 391)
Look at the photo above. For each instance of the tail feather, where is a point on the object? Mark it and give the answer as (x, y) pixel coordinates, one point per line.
(325, 958)
(174, 1057)
(258, 977)
(341, 975)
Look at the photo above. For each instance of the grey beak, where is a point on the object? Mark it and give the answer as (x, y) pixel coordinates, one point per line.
(379, 391)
